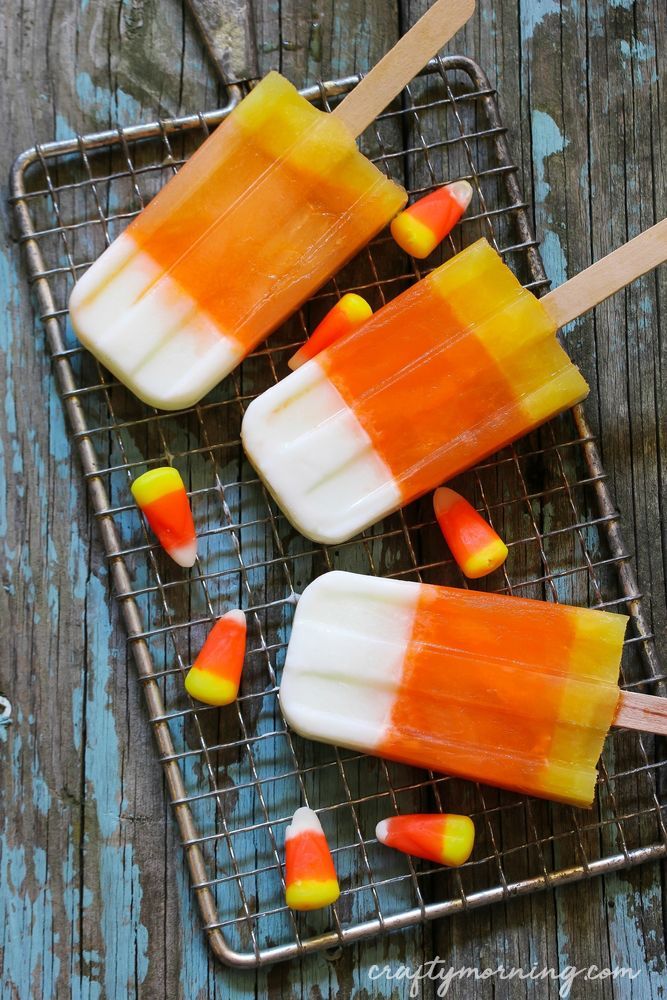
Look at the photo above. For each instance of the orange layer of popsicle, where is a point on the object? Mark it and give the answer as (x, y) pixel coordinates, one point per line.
(274, 202)
(508, 691)
(456, 367)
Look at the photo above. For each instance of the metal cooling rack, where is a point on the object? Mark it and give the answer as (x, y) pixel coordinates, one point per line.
(236, 775)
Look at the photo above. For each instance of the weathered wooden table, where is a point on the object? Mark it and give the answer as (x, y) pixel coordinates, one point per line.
(87, 843)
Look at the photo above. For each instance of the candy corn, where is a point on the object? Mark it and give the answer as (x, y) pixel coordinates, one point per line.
(310, 877)
(477, 548)
(445, 839)
(346, 316)
(423, 225)
(161, 497)
(216, 673)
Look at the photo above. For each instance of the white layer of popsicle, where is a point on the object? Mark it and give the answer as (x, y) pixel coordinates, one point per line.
(315, 455)
(345, 658)
(147, 331)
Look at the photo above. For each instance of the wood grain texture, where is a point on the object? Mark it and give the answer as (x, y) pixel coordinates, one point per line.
(395, 70)
(94, 899)
(606, 277)
(642, 711)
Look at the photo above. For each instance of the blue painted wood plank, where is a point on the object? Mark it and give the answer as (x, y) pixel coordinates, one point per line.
(95, 901)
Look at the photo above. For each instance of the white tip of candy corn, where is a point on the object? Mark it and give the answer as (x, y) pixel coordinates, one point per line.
(462, 192)
(185, 555)
(443, 500)
(304, 819)
(236, 616)
(382, 830)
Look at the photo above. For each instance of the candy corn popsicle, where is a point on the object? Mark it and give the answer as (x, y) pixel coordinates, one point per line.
(215, 675)
(310, 877)
(274, 202)
(501, 690)
(440, 837)
(161, 497)
(456, 367)
(477, 548)
(349, 313)
(272, 205)
(421, 227)
(451, 370)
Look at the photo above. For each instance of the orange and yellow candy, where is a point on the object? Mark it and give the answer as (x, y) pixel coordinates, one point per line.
(445, 839)
(310, 876)
(216, 673)
(349, 313)
(421, 227)
(161, 497)
(477, 548)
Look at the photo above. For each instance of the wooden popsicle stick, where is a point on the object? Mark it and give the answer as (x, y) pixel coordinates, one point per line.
(644, 712)
(608, 275)
(410, 54)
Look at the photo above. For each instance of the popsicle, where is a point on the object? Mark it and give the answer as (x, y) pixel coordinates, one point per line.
(501, 690)
(459, 365)
(273, 203)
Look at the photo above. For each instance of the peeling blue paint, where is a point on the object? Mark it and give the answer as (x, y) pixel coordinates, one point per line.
(41, 796)
(8, 280)
(194, 977)
(636, 54)
(548, 140)
(117, 107)
(533, 12)
(626, 939)
(553, 255)
(120, 882)
(31, 967)
(63, 128)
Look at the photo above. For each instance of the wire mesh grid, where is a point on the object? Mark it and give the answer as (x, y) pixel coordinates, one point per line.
(236, 775)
